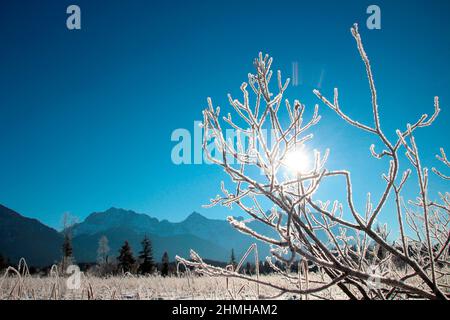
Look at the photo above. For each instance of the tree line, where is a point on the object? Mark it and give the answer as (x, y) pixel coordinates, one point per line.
(124, 262)
(144, 263)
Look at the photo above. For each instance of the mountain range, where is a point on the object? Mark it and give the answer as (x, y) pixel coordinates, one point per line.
(40, 245)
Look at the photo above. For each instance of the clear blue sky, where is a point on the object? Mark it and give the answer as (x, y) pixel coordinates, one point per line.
(86, 116)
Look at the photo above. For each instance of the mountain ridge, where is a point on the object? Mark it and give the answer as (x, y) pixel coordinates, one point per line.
(211, 238)
(19, 234)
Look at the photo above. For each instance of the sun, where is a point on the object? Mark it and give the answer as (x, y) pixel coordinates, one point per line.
(297, 161)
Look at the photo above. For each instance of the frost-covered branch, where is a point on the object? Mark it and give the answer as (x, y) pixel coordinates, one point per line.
(265, 160)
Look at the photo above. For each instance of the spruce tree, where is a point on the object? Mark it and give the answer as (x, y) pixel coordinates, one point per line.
(147, 264)
(67, 252)
(165, 265)
(261, 267)
(267, 268)
(125, 258)
(233, 259)
(248, 268)
(68, 221)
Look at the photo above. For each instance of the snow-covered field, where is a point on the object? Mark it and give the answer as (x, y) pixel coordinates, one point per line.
(151, 287)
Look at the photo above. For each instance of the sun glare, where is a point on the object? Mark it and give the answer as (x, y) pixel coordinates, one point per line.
(297, 161)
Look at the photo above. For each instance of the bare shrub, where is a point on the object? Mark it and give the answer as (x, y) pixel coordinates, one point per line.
(357, 256)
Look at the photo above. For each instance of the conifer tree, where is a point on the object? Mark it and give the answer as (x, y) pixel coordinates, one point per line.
(233, 259)
(125, 258)
(68, 221)
(147, 264)
(248, 268)
(165, 264)
(67, 252)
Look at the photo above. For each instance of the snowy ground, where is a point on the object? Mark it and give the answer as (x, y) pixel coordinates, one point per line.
(153, 287)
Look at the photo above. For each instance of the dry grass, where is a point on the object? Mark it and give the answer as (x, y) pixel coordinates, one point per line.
(18, 284)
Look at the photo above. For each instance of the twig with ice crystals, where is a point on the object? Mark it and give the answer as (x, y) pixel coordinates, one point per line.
(298, 218)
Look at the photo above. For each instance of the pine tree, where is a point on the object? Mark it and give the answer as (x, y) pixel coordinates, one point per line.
(267, 268)
(165, 264)
(67, 252)
(67, 246)
(261, 267)
(68, 222)
(125, 258)
(248, 268)
(146, 257)
(233, 259)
